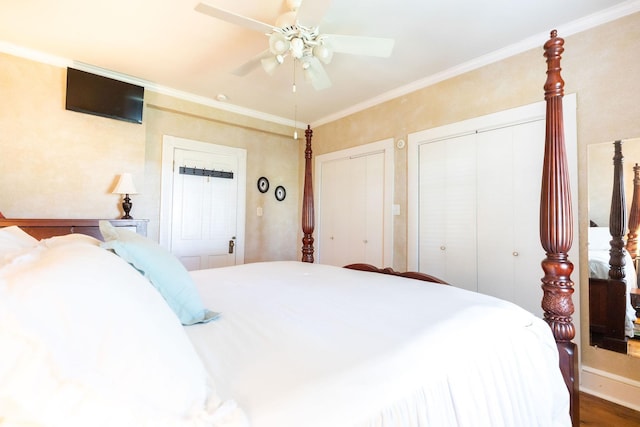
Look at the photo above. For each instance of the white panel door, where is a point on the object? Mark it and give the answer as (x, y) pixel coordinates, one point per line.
(447, 210)
(203, 228)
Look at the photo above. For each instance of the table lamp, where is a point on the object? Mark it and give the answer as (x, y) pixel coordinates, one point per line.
(125, 186)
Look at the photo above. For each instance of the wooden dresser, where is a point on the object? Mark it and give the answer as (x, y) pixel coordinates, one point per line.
(43, 228)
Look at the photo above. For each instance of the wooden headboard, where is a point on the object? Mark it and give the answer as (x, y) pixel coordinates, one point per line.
(44, 228)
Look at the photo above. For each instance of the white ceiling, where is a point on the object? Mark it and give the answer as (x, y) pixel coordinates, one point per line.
(167, 45)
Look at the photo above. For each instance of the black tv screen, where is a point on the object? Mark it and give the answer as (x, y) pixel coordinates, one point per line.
(102, 96)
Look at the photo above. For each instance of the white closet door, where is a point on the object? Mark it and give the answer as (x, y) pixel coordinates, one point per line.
(432, 202)
(374, 209)
(447, 206)
(496, 213)
(351, 205)
(334, 199)
(509, 177)
(527, 162)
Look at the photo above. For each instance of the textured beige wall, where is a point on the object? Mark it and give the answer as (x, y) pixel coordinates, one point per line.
(56, 163)
(601, 66)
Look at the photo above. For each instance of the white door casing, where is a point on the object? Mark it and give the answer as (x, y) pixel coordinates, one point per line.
(200, 215)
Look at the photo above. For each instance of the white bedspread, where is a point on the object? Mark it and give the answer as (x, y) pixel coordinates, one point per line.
(306, 345)
(599, 269)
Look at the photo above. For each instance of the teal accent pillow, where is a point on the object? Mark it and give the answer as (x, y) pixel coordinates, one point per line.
(162, 269)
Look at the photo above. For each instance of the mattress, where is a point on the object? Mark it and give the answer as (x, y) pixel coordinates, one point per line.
(301, 344)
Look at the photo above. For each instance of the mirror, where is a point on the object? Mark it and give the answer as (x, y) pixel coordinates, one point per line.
(614, 302)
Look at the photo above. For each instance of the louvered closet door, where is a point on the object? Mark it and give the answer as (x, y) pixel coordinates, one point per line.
(447, 210)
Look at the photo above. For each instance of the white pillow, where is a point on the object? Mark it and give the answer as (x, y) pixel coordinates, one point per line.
(13, 240)
(87, 341)
(68, 239)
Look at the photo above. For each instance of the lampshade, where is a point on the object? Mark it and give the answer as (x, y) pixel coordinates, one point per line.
(125, 185)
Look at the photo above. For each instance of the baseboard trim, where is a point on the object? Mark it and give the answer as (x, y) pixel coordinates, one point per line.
(611, 387)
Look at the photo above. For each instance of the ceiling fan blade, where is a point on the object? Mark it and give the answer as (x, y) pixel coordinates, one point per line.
(360, 45)
(317, 74)
(251, 64)
(233, 18)
(311, 12)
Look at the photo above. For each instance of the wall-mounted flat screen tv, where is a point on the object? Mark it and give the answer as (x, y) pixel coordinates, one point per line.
(102, 96)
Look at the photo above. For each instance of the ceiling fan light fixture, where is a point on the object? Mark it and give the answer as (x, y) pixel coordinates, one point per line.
(323, 53)
(297, 47)
(303, 43)
(278, 43)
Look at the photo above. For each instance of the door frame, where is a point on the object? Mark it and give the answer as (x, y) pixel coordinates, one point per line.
(169, 144)
(385, 146)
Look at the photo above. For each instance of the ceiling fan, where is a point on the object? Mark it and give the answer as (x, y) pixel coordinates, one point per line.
(304, 43)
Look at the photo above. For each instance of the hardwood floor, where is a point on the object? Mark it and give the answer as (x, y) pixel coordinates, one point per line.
(602, 413)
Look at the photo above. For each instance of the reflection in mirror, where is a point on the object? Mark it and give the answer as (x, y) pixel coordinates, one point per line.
(614, 299)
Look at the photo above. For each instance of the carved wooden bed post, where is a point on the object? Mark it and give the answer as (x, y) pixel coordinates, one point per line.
(617, 216)
(634, 216)
(556, 226)
(307, 202)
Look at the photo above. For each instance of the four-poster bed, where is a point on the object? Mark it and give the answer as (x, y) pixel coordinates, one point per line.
(297, 343)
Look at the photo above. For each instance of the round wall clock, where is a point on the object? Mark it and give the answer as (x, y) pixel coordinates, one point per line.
(281, 193)
(263, 184)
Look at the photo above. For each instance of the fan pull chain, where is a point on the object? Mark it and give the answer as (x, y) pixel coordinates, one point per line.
(295, 103)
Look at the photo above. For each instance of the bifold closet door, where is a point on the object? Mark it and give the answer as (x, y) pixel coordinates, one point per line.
(447, 210)
(351, 207)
